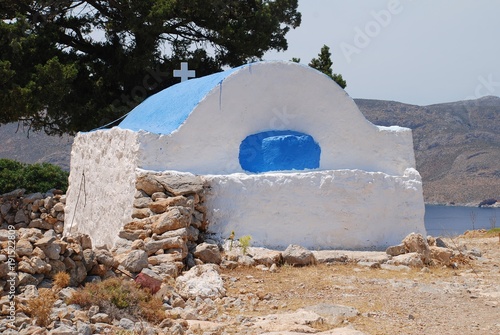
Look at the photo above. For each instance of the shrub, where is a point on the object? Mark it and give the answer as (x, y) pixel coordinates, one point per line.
(41, 306)
(61, 279)
(120, 298)
(32, 177)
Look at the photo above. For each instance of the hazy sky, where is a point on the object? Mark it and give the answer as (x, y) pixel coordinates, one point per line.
(419, 52)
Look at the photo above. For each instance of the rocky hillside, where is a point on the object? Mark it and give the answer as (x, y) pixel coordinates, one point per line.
(34, 147)
(457, 145)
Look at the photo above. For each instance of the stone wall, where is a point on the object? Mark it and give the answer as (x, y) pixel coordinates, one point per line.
(168, 218)
(32, 249)
(42, 211)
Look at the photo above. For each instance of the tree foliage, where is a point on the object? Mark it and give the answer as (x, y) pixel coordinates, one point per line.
(67, 66)
(324, 64)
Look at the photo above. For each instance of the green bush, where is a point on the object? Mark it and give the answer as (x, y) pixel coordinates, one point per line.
(31, 177)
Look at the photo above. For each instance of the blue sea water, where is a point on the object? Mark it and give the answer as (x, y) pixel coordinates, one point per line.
(455, 220)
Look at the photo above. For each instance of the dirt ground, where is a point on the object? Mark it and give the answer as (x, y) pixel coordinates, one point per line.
(436, 300)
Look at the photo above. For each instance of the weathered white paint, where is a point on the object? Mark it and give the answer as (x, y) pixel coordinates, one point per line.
(101, 184)
(349, 209)
(277, 96)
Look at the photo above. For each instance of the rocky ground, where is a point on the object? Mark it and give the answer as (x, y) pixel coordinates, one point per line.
(339, 292)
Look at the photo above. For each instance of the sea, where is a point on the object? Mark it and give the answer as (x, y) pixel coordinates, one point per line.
(455, 220)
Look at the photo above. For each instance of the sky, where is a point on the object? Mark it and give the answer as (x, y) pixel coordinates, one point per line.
(418, 52)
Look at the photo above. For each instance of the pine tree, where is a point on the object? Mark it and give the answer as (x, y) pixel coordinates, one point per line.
(324, 64)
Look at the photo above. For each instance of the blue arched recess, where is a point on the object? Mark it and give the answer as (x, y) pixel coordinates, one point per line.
(279, 150)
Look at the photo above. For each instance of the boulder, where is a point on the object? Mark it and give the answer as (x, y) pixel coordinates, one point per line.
(265, 256)
(135, 260)
(203, 281)
(412, 259)
(396, 250)
(441, 255)
(298, 256)
(208, 253)
(417, 243)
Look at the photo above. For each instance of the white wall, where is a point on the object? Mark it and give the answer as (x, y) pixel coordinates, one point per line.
(278, 96)
(374, 203)
(349, 209)
(101, 184)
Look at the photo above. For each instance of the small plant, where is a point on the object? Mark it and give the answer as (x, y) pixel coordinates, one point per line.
(245, 242)
(231, 238)
(41, 306)
(61, 279)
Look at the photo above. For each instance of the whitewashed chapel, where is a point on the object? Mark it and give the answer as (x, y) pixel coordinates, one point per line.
(287, 154)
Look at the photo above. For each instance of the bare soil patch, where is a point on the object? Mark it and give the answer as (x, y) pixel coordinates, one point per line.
(439, 300)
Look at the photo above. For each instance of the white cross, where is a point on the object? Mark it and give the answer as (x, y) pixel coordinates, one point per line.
(184, 73)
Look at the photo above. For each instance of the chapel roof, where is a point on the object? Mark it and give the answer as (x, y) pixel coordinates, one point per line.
(166, 111)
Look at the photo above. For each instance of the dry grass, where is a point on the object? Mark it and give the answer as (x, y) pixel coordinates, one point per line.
(119, 297)
(61, 280)
(41, 306)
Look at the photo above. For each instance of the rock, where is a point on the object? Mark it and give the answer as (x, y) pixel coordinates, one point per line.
(181, 184)
(441, 243)
(135, 260)
(396, 250)
(412, 259)
(333, 314)
(298, 256)
(24, 248)
(24, 266)
(174, 218)
(142, 202)
(208, 253)
(45, 241)
(148, 184)
(441, 255)
(101, 318)
(161, 205)
(245, 260)
(52, 251)
(417, 243)
(21, 217)
(153, 246)
(202, 281)
(78, 273)
(164, 258)
(40, 266)
(26, 279)
(166, 269)
(299, 321)
(105, 257)
(63, 330)
(140, 213)
(147, 282)
(265, 256)
(126, 324)
(89, 259)
(83, 328)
